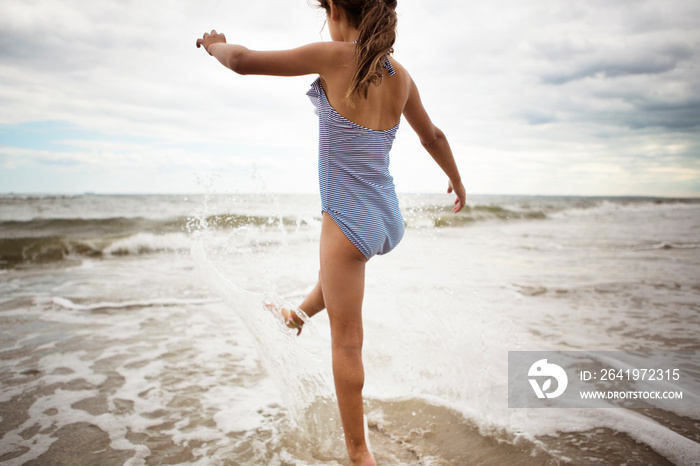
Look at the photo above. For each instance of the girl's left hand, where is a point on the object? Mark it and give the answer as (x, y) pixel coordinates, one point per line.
(460, 192)
(208, 39)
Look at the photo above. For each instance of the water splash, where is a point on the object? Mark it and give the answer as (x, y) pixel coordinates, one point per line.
(299, 366)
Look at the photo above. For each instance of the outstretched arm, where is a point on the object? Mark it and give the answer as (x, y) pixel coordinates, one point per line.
(308, 59)
(435, 142)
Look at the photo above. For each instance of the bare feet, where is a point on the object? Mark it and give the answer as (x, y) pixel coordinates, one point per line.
(364, 459)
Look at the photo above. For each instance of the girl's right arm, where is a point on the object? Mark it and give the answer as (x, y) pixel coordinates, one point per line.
(435, 142)
(317, 58)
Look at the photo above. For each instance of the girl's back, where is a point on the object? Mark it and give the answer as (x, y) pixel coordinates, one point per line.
(384, 104)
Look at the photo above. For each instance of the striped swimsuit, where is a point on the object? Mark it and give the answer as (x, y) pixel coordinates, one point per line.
(357, 190)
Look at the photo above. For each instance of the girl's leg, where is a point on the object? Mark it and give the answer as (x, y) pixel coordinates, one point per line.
(342, 284)
(313, 303)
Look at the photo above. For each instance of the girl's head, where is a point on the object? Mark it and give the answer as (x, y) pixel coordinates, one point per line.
(375, 21)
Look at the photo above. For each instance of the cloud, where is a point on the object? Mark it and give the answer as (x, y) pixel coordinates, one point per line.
(608, 61)
(524, 91)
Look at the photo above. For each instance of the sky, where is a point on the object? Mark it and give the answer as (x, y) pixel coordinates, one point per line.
(544, 97)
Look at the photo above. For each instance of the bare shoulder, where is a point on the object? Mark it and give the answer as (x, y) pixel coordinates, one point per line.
(400, 70)
(330, 54)
(333, 49)
(339, 56)
(404, 78)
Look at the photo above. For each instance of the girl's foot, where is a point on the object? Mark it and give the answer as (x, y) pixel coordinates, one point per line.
(365, 459)
(293, 319)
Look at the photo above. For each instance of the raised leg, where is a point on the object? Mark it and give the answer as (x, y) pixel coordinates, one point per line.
(314, 303)
(342, 284)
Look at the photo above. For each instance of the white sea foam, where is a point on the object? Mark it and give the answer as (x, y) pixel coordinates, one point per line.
(68, 304)
(142, 243)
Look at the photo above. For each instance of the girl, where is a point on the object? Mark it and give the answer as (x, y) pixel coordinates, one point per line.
(359, 96)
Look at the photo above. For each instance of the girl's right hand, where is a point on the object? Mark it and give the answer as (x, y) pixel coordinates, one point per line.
(460, 192)
(208, 39)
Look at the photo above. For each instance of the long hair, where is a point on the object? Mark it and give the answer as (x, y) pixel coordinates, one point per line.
(376, 21)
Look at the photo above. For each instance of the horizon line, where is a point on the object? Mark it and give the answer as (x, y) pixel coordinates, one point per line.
(248, 193)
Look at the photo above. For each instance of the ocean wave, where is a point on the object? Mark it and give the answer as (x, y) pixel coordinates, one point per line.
(148, 243)
(438, 216)
(596, 206)
(124, 226)
(66, 227)
(53, 240)
(43, 250)
(47, 239)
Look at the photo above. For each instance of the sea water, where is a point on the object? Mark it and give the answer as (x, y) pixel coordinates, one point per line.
(132, 329)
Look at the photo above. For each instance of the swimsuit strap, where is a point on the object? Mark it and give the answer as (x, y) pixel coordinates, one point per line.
(387, 63)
